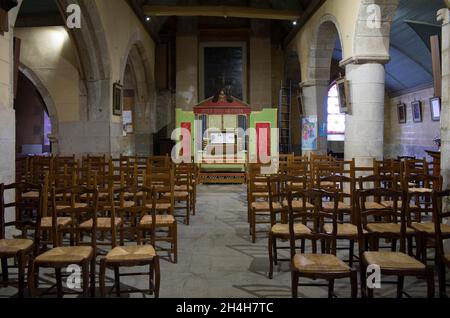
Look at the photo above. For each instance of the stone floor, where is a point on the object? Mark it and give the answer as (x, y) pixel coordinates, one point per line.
(217, 259)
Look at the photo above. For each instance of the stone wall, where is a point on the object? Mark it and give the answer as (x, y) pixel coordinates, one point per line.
(410, 139)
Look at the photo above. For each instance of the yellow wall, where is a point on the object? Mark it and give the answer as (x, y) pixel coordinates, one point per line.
(51, 55)
(122, 27)
(346, 14)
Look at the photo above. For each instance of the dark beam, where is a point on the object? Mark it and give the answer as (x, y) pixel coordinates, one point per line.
(305, 16)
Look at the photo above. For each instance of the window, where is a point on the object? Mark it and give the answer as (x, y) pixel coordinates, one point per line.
(336, 120)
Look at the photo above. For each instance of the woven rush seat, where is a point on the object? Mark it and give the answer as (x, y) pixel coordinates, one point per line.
(374, 206)
(265, 206)
(139, 194)
(317, 263)
(183, 188)
(420, 190)
(177, 194)
(283, 229)
(12, 247)
(343, 230)
(390, 228)
(101, 195)
(102, 223)
(297, 204)
(393, 261)
(159, 206)
(160, 220)
(390, 204)
(123, 254)
(341, 206)
(47, 222)
(66, 255)
(126, 205)
(76, 206)
(447, 258)
(261, 194)
(30, 195)
(430, 228)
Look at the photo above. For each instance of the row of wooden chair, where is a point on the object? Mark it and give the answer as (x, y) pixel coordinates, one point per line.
(314, 215)
(83, 208)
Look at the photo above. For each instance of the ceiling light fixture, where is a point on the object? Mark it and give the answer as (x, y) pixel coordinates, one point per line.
(294, 22)
(147, 19)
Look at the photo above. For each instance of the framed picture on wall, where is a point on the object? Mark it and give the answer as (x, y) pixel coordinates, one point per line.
(343, 89)
(401, 109)
(435, 103)
(117, 99)
(417, 111)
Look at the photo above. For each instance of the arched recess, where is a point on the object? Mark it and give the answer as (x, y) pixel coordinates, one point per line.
(315, 88)
(373, 30)
(138, 63)
(93, 53)
(49, 103)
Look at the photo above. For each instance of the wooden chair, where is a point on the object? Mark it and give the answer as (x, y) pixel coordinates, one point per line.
(21, 250)
(183, 189)
(344, 187)
(83, 253)
(420, 199)
(258, 199)
(278, 187)
(371, 230)
(134, 255)
(442, 258)
(326, 266)
(163, 182)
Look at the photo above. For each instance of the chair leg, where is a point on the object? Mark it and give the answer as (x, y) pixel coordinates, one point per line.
(85, 269)
(32, 281)
(253, 224)
(92, 273)
(188, 212)
(275, 251)
(5, 276)
(331, 289)
(400, 286)
(117, 280)
(351, 253)
(271, 260)
(363, 280)
(157, 276)
(102, 278)
(294, 284)
(175, 244)
(21, 263)
(59, 282)
(354, 284)
(430, 282)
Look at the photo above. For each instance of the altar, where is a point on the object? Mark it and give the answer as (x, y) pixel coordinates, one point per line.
(224, 136)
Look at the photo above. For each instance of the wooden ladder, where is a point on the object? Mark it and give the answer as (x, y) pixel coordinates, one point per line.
(284, 118)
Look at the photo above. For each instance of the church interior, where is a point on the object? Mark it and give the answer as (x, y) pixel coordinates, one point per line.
(224, 149)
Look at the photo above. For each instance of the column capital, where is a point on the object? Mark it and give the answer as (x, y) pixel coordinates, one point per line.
(364, 59)
(312, 83)
(443, 15)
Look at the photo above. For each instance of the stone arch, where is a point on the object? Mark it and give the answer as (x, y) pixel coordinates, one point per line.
(93, 54)
(372, 30)
(327, 32)
(315, 88)
(48, 101)
(137, 60)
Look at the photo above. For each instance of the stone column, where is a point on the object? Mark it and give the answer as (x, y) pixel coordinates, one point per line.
(364, 131)
(443, 16)
(315, 96)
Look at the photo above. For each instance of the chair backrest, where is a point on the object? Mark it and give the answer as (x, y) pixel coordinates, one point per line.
(163, 181)
(81, 204)
(368, 215)
(441, 213)
(315, 219)
(150, 198)
(20, 204)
